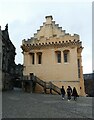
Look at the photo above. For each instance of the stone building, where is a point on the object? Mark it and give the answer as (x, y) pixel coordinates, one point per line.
(0, 59)
(8, 60)
(19, 71)
(89, 84)
(54, 56)
(18, 75)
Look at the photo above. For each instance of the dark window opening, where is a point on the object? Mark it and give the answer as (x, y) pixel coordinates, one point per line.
(78, 72)
(65, 57)
(39, 58)
(32, 58)
(78, 63)
(58, 57)
(79, 68)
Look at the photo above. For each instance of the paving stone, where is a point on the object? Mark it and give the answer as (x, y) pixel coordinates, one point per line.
(18, 104)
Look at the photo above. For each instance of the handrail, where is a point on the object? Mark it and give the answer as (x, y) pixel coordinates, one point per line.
(40, 82)
(48, 85)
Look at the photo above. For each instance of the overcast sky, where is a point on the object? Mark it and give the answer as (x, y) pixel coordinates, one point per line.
(24, 18)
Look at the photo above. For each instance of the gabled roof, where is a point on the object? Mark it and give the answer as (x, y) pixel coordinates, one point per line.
(49, 29)
(50, 34)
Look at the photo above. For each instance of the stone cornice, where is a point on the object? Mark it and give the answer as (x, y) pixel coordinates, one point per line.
(74, 43)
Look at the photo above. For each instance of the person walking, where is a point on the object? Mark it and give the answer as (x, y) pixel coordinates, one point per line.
(63, 92)
(75, 94)
(33, 81)
(69, 93)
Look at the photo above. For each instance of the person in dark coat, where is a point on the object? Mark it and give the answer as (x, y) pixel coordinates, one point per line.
(33, 81)
(69, 93)
(75, 94)
(63, 92)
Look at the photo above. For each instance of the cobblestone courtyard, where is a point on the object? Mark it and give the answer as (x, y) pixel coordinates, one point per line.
(17, 104)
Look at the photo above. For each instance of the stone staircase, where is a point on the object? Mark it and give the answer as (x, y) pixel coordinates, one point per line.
(45, 85)
(48, 85)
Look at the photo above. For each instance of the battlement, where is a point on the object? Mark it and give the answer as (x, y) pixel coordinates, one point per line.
(71, 43)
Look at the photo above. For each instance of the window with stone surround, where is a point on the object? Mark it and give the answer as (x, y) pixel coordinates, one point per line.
(32, 57)
(58, 56)
(66, 56)
(39, 57)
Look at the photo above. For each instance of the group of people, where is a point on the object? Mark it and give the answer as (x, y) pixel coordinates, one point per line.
(70, 93)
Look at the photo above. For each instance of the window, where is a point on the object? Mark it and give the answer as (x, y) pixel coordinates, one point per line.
(39, 59)
(58, 55)
(78, 63)
(39, 54)
(79, 68)
(78, 72)
(32, 55)
(66, 56)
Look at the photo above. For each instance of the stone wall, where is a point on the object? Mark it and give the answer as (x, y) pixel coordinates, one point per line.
(0, 59)
(8, 60)
(89, 84)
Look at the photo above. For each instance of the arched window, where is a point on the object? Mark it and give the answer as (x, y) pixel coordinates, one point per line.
(58, 56)
(66, 56)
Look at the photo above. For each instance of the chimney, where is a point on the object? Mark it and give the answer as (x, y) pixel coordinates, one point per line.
(49, 19)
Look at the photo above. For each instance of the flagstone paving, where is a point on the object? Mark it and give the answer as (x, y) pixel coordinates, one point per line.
(18, 104)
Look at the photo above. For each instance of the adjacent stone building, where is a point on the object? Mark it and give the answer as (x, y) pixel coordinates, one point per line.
(89, 84)
(17, 82)
(19, 71)
(8, 60)
(54, 56)
(0, 59)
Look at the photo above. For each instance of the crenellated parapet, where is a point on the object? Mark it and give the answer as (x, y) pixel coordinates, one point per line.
(69, 43)
(42, 39)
